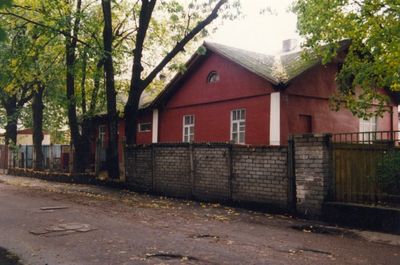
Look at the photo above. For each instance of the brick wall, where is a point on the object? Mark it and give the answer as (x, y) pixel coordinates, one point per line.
(312, 155)
(260, 175)
(139, 166)
(217, 172)
(211, 172)
(171, 170)
(224, 172)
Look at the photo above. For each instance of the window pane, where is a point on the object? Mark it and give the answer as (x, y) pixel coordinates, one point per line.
(234, 127)
(241, 138)
(144, 127)
(234, 137)
(188, 120)
(213, 77)
(242, 114)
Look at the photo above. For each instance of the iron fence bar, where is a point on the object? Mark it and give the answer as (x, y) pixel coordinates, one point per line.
(368, 137)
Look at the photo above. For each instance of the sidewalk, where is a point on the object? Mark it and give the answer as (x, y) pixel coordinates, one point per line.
(108, 226)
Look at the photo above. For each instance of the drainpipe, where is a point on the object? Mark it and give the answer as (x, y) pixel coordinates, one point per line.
(275, 119)
(391, 124)
(155, 127)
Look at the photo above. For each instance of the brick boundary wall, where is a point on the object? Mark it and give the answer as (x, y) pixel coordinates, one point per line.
(211, 172)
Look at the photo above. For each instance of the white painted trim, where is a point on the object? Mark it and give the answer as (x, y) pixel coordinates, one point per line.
(275, 119)
(184, 126)
(238, 121)
(155, 126)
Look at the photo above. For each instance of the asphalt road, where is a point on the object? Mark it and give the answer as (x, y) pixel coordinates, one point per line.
(53, 223)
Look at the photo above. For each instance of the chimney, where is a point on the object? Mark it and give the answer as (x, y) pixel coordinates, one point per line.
(289, 45)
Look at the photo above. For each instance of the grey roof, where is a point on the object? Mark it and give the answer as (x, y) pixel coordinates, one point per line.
(260, 64)
(295, 64)
(278, 69)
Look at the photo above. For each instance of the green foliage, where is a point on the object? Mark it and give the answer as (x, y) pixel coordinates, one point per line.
(4, 4)
(371, 63)
(31, 56)
(34, 51)
(389, 172)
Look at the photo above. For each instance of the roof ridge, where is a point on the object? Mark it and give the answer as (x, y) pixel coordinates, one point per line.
(237, 48)
(279, 70)
(256, 62)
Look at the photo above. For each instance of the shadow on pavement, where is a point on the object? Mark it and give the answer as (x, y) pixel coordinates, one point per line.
(8, 258)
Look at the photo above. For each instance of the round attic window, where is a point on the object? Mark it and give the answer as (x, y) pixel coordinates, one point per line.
(213, 77)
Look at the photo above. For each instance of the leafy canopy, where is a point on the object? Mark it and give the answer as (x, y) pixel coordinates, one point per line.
(4, 4)
(372, 60)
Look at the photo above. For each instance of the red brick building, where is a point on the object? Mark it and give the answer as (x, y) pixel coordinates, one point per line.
(251, 98)
(230, 94)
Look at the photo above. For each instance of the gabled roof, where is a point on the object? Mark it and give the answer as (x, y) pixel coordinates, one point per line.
(278, 70)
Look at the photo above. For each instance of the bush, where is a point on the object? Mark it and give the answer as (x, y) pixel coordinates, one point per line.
(388, 173)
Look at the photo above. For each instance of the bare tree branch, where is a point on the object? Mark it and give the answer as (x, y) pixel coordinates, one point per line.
(181, 44)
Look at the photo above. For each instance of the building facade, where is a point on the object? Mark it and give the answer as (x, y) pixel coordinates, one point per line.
(234, 95)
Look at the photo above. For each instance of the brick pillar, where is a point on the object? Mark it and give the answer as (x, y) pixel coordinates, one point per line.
(313, 172)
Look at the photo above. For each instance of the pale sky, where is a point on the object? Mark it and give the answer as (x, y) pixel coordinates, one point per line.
(259, 32)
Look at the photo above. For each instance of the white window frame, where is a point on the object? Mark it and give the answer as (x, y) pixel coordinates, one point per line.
(238, 120)
(366, 126)
(102, 135)
(213, 77)
(144, 123)
(187, 135)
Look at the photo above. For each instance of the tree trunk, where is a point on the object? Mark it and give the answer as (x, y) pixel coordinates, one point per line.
(37, 113)
(96, 86)
(79, 143)
(130, 117)
(72, 117)
(12, 120)
(112, 150)
(83, 81)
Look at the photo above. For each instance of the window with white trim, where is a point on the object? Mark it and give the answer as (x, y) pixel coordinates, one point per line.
(188, 128)
(370, 125)
(213, 77)
(102, 135)
(238, 126)
(144, 127)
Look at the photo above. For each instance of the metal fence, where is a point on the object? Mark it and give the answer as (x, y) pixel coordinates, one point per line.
(55, 157)
(375, 137)
(356, 161)
(3, 158)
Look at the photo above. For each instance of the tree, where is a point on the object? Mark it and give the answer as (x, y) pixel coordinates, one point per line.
(112, 150)
(31, 56)
(15, 90)
(186, 22)
(147, 31)
(3, 4)
(372, 58)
